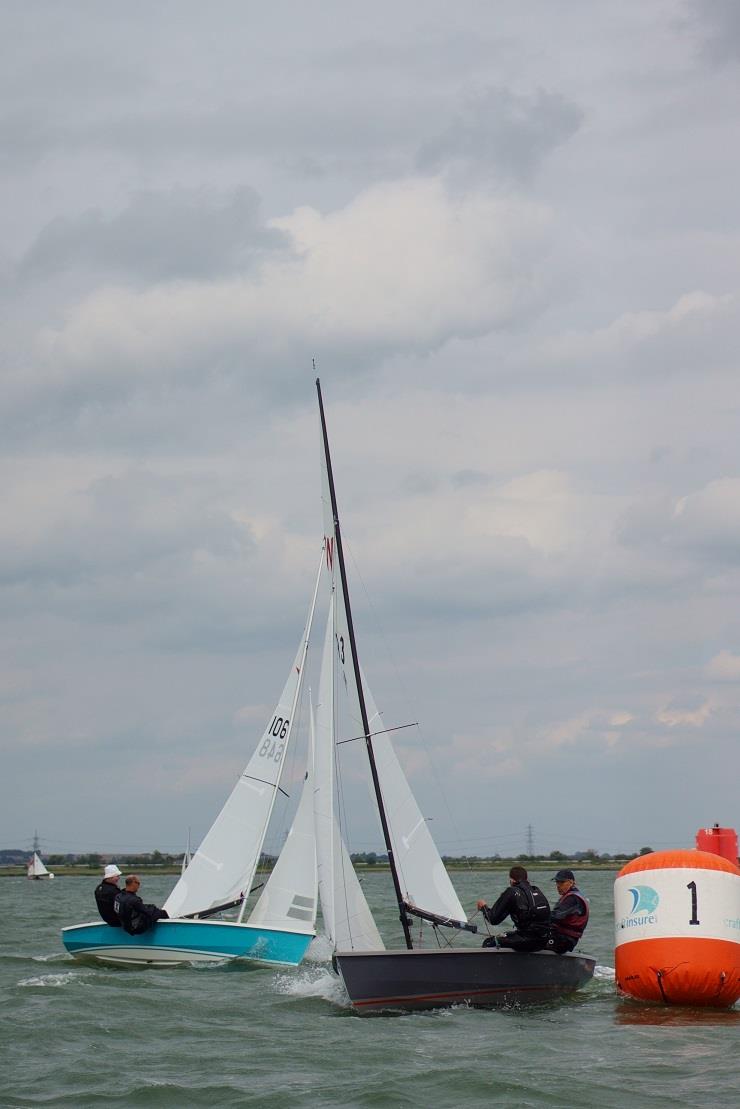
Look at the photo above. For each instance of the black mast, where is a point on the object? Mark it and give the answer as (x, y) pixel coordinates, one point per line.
(358, 680)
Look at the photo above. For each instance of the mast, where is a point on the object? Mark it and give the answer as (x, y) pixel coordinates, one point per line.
(358, 681)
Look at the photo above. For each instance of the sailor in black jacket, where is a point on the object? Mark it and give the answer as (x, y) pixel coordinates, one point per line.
(134, 915)
(528, 908)
(105, 895)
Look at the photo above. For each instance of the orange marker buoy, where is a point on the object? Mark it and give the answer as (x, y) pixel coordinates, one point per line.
(677, 928)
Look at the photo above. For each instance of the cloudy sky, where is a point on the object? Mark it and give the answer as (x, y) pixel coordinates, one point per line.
(510, 238)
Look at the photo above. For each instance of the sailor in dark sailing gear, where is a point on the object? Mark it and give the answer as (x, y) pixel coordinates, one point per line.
(105, 895)
(528, 908)
(135, 916)
(570, 916)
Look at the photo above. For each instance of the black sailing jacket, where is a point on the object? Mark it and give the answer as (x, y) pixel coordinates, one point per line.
(526, 905)
(135, 916)
(105, 896)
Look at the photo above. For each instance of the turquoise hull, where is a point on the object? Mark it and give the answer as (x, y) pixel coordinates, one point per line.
(170, 942)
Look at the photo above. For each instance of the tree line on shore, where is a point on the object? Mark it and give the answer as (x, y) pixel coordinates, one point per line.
(146, 860)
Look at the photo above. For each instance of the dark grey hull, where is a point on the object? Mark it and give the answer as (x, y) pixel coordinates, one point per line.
(488, 977)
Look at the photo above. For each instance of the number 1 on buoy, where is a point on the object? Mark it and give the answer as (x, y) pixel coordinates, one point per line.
(694, 918)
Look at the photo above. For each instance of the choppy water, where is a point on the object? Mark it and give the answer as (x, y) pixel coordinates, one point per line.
(242, 1035)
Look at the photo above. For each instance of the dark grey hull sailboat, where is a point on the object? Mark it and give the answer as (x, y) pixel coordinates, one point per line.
(487, 978)
(409, 978)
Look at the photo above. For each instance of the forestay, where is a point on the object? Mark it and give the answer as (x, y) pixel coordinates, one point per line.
(222, 869)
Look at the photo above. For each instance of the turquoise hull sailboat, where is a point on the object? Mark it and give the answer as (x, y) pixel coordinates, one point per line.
(172, 942)
(220, 874)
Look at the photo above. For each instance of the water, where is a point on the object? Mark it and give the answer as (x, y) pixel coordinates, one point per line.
(240, 1035)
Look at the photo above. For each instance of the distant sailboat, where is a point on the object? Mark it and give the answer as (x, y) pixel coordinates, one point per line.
(186, 857)
(36, 868)
(220, 874)
(411, 977)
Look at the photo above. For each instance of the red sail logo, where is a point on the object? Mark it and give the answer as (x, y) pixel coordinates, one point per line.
(329, 544)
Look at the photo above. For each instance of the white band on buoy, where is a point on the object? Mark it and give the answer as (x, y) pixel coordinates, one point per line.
(683, 902)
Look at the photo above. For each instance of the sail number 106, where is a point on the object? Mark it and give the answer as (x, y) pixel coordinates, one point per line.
(278, 730)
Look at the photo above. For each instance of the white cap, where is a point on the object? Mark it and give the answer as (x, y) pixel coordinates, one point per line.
(111, 871)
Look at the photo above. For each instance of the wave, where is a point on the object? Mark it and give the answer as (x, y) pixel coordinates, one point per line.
(55, 981)
(320, 950)
(314, 982)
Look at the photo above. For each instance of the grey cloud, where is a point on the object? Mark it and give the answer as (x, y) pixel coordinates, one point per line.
(429, 51)
(685, 703)
(502, 134)
(694, 535)
(141, 614)
(323, 131)
(201, 403)
(117, 87)
(122, 526)
(159, 236)
(23, 136)
(717, 27)
(464, 478)
(329, 130)
(162, 558)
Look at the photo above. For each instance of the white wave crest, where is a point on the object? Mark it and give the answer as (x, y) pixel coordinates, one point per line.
(320, 950)
(52, 980)
(606, 973)
(313, 982)
(209, 964)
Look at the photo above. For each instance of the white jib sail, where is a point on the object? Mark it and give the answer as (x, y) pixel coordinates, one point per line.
(223, 867)
(348, 921)
(288, 901)
(422, 874)
(36, 868)
(424, 880)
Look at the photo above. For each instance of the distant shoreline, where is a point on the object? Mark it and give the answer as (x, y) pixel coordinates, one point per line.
(171, 871)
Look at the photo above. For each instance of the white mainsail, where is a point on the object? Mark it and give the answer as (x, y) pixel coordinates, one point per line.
(348, 921)
(289, 898)
(36, 868)
(424, 880)
(223, 867)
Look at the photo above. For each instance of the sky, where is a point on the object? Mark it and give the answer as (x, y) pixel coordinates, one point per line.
(509, 237)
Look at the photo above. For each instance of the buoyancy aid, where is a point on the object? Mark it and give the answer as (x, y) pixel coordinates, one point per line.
(573, 925)
(533, 909)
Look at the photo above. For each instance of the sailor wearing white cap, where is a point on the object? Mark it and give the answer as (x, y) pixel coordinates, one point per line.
(105, 895)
